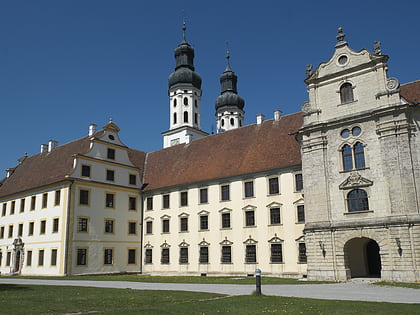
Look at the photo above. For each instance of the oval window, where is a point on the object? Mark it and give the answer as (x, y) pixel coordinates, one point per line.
(345, 133)
(356, 131)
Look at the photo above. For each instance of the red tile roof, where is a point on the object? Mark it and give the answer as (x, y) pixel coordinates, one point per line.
(411, 91)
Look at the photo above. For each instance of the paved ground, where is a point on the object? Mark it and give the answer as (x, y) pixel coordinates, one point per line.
(335, 291)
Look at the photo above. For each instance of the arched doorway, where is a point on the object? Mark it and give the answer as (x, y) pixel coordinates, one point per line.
(362, 257)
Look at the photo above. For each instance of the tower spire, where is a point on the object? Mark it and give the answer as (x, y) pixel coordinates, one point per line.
(184, 27)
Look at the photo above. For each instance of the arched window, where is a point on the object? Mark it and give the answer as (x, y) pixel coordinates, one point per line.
(346, 93)
(195, 103)
(175, 102)
(174, 118)
(223, 122)
(359, 155)
(196, 118)
(347, 155)
(185, 117)
(185, 101)
(232, 122)
(357, 200)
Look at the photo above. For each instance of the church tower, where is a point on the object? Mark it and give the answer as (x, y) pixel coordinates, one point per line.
(184, 98)
(229, 105)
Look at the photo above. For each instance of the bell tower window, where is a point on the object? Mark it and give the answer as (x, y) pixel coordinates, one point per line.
(174, 102)
(185, 101)
(185, 117)
(174, 118)
(346, 93)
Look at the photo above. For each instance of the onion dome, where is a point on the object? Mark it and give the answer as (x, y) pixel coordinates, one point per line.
(229, 94)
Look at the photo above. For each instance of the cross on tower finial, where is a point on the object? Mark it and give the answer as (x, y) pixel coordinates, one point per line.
(227, 53)
(184, 26)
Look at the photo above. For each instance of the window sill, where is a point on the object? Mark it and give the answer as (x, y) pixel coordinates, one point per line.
(250, 226)
(355, 169)
(251, 262)
(183, 231)
(226, 263)
(273, 194)
(250, 197)
(355, 212)
(302, 263)
(204, 230)
(347, 103)
(301, 222)
(275, 224)
(277, 263)
(225, 200)
(225, 229)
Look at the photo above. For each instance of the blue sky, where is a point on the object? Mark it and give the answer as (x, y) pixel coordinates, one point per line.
(66, 64)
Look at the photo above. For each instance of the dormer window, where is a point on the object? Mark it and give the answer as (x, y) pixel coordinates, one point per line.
(346, 93)
(110, 154)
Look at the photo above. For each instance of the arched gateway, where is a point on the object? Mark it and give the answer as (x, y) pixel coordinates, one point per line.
(362, 257)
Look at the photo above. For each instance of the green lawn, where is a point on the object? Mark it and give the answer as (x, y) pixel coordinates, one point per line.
(26, 299)
(399, 284)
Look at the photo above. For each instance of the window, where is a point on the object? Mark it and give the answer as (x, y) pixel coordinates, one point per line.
(10, 231)
(110, 154)
(357, 200)
(203, 195)
(346, 153)
(85, 171)
(57, 198)
(131, 257)
(31, 228)
(226, 220)
(196, 118)
(20, 229)
(44, 200)
(273, 185)
(28, 258)
(55, 225)
(185, 101)
(3, 212)
(251, 254)
(302, 253)
(165, 201)
(183, 255)
(226, 254)
(249, 189)
(299, 182)
(110, 175)
(132, 179)
(84, 197)
(164, 259)
(109, 200)
(53, 257)
(300, 213)
(41, 257)
(8, 258)
(81, 256)
(276, 254)
(109, 226)
(22, 205)
(359, 155)
(148, 256)
(82, 225)
(12, 207)
(175, 118)
(175, 102)
(43, 227)
(132, 203)
(33, 203)
(184, 198)
(204, 255)
(108, 256)
(149, 203)
(132, 228)
(346, 93)
(275, 216)
(250, 218)
(204, 222)
(185, 117)
(184, 224)
(1, 232)
(165, 226)
(225, 192)
(149, 227)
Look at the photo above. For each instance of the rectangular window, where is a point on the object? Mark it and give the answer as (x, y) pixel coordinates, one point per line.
(33, 203)
(82, 225)
(55, 225)
(28, 258)
(203, 195)
(276, 254)
(250, 218)
(85, 171)
(302, 253)
(165, 226)
(42, 227)
(110, 175)
(132, 179)
(149, 203)
(109, 226)
(44, 200)
(184, 224)
(8, 258)
(84, 197)
(31, 228)
(251, 254)
(204, 255)
(301, 214)
(148, 256)
(149, 227)
(225, 192)
(275, 216)
(183, 255)
(204, 222)
(57, 198)
(132, 203)
(132, 228)
(20, 229)
(110, 154)
(226, 255)
(41, 257)
(81, 256)
(1, 232)
(12, 207)
(164, 259)
(22, 205)
(273, 185)
(10, 231)
(108, 256)
(184, 198)
(299, 182)
(109, 200)
(225, 220)
(249, 189)
(3, 212)
(53, 257)
(165, 201)
(131, 257)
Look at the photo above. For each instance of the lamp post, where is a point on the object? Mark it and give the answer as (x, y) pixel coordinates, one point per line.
(258, 281)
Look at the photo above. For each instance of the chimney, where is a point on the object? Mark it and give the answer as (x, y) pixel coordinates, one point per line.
(188, 138)
(92, 129)
(51, 145)
(9, 172)
(44, 148)
(260, 119)
(277, 114)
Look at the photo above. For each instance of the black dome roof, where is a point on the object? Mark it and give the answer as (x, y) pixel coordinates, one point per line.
(184, 76)
(229, 99)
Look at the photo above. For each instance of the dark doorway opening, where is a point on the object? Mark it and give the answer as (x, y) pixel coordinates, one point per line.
(362, 257)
